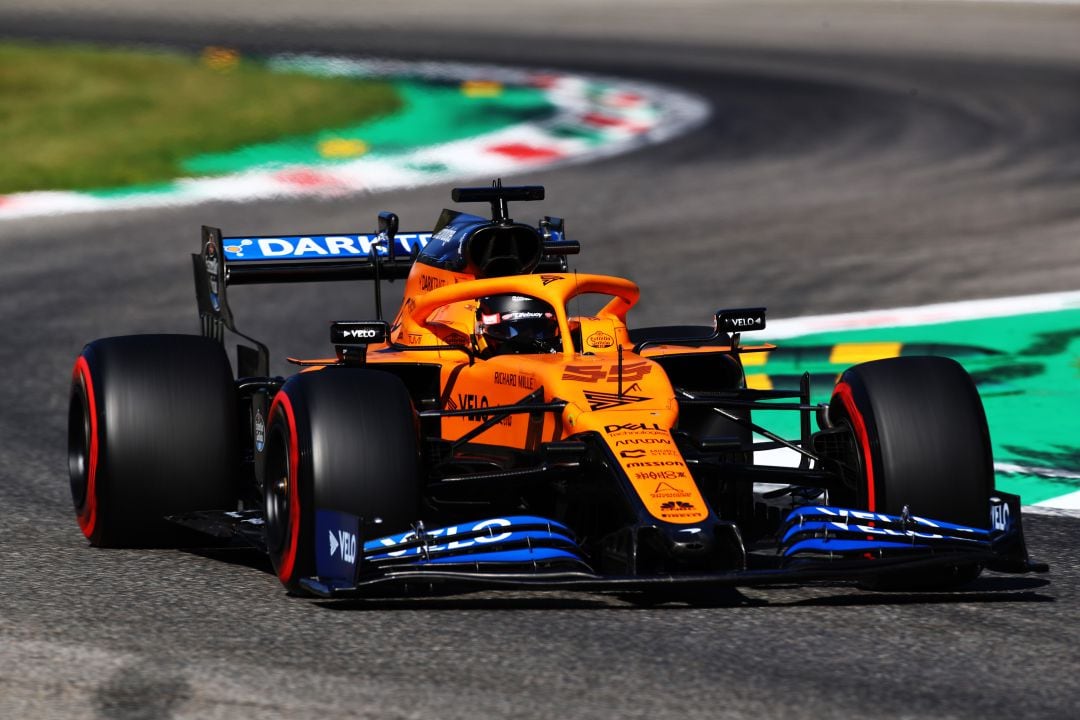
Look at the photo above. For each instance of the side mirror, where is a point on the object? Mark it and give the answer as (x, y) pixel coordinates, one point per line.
(740, 319)
(352, 337)
(552, 228)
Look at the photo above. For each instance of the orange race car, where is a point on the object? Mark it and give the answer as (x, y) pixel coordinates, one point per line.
(489, 437)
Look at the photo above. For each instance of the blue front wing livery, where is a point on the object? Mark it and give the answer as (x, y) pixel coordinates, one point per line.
(833, 531)
(516, 539)
(814, 542)
(525, 542)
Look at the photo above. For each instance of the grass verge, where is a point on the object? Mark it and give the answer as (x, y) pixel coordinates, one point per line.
(77, 117)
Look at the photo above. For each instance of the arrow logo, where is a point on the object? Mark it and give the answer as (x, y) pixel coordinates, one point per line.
(333, 543)
(604, 400)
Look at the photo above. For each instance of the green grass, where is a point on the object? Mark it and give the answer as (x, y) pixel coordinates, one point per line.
(75, 117)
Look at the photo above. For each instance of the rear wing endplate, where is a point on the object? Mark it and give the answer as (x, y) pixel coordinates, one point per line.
(224, 261)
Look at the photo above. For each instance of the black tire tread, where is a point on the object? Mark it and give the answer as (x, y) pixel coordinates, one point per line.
(929, 436)
(167, 419)
(358, 451)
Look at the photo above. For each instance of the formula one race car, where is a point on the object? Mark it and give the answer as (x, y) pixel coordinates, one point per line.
(487, 438)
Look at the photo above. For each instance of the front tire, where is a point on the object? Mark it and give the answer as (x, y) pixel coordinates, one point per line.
(152, 431)
(338, 439)
(921, 441)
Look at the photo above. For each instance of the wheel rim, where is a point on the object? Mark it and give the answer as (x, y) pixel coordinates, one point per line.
(849, 466)
(282, 497)
(276, 491)
(861, 435)
(83, 449)
(79, 435)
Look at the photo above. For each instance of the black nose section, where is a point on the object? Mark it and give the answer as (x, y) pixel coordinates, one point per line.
(715, 545)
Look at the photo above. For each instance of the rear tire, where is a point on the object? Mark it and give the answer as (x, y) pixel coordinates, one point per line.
(922, 441)
(152, 431)
(337, 439)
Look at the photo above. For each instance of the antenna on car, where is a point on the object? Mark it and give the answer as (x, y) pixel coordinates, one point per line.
(500, 210)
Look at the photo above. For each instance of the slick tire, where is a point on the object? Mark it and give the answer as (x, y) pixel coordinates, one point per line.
(152, 432)
(922, 441)
(341, 439)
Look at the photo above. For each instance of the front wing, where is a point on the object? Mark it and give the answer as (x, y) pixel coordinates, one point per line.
(815, 543)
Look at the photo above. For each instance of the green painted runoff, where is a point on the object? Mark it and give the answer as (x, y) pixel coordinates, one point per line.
(1027, 368)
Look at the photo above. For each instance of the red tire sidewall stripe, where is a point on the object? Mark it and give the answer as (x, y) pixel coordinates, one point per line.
(288, 559)
(858, 424)
(87, 514)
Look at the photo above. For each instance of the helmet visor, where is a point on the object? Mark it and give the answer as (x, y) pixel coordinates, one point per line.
(523, 325)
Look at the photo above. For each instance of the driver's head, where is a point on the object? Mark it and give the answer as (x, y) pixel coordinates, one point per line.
(517, 324)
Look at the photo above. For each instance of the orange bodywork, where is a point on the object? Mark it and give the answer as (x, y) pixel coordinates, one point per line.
(608, 388)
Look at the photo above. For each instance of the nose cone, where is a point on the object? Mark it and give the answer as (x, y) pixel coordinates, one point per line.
(707, 547)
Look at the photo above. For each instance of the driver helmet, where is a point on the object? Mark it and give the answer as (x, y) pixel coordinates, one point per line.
(517, 324)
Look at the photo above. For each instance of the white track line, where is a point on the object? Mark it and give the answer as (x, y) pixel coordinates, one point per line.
(923, 314)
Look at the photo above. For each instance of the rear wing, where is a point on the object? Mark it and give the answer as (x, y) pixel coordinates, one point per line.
(492, 247)
(224, 261)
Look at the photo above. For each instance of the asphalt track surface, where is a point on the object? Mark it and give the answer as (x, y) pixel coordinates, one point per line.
(889, 168)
